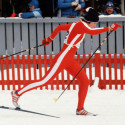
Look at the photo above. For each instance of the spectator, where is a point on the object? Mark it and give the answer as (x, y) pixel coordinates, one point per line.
(109, 9)
(34, 10)
(71, 8)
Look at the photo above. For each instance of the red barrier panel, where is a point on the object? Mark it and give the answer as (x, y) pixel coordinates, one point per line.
(21, 70)
(113, 69)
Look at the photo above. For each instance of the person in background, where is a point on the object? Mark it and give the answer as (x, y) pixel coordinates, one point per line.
(70, 8)
(34, 10)
(109, 9)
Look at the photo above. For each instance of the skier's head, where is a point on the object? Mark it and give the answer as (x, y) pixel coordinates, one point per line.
(90, 15)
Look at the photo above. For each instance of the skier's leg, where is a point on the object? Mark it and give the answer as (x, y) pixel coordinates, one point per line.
(84, 82)
(50, 75)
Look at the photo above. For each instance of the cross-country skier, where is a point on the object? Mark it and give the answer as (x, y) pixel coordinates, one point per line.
(65, 58)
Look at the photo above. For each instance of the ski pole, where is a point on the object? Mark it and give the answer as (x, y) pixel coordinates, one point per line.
(22, 51)
(56, 99)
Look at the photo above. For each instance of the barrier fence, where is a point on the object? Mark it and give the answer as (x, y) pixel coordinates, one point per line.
(20, 70)
(18, 34)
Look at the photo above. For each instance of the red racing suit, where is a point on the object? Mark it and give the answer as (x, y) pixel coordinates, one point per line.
(65, 58)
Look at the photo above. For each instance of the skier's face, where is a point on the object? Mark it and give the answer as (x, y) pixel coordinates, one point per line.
(92, 25)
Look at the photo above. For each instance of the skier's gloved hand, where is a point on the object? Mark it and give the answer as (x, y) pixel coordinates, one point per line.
(114, 27)
(46, 41)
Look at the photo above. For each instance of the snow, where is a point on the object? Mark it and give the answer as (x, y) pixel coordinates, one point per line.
(108, 104)
(112, 15)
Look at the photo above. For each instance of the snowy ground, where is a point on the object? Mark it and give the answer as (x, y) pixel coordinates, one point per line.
(108, 104)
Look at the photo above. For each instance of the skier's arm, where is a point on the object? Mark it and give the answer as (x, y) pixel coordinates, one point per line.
(64, 27)
(94, 31)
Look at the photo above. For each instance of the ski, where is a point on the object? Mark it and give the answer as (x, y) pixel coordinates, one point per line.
(27, 111)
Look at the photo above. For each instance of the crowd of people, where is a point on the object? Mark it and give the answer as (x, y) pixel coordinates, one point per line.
(57, 8)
